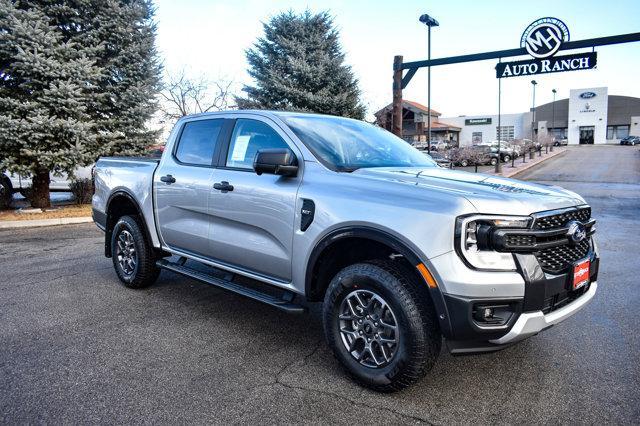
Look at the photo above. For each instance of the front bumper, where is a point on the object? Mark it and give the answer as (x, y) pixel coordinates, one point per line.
(548, 300)
(531, 323)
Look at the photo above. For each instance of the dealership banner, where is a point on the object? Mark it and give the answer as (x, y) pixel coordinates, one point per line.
(578, 61)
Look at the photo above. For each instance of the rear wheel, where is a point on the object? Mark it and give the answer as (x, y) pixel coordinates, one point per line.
(132, 254)
(494, 161)
(380, 323)
(507, 158)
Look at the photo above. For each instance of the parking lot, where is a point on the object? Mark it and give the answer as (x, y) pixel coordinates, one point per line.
(76, 346)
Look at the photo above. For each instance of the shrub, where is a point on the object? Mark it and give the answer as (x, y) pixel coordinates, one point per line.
(82, 190)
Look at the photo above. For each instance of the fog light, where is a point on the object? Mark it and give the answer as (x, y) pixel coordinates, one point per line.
(492, 314)
(487, 313)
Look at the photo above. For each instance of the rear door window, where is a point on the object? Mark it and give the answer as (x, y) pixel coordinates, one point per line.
(198, 142)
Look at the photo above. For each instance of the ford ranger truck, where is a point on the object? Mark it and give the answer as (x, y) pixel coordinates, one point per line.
(290, 208)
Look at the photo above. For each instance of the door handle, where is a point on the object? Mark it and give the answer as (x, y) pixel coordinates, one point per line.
(223, 186)
(168, 179)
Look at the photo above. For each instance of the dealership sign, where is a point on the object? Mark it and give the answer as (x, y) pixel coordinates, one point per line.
(579, 61)
(542, 39)
(475, 121)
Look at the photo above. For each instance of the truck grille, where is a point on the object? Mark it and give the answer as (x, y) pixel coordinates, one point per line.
(561, 219)
(559, 259)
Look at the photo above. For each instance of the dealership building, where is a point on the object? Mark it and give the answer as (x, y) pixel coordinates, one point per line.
(589, 116)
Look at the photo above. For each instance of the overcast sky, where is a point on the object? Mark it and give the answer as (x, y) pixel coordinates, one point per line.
(209, 37)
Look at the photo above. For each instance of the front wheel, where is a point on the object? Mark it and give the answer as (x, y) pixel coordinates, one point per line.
(132, 254)
(381, 325)
(507, 158)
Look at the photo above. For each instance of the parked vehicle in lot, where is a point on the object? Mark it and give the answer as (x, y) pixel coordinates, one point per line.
(537, 146)
(630, 140)
(481, 155)
(15, 183)
(561, 142)
(439, 146)
(290, 207)
(440, 159)
(11, 182)
(507, 151)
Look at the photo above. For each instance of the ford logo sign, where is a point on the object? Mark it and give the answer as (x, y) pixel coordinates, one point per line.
(576, 232)
(587, 95)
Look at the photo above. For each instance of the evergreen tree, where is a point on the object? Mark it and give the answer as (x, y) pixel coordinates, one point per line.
(78, 79)
(299, 65)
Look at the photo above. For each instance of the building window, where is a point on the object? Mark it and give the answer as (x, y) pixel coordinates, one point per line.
(617, 132)
(559, 133)
(505, 133)
(476, 138)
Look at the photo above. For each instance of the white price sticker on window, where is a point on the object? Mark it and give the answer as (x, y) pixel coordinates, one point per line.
(240, 148)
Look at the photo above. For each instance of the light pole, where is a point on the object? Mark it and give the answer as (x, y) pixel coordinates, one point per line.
(533, 110)
(553, 115)
(429, 22)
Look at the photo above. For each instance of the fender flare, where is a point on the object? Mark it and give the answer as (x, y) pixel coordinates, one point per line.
(391, 241)
(122, 192)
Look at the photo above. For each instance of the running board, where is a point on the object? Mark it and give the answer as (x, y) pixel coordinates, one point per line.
(285, 302)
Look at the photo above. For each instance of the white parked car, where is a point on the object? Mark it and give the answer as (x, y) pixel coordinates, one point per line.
(11, 182)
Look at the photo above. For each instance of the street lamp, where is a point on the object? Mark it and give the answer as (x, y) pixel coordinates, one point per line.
(429, 22)
(553, 115)
(533, 110)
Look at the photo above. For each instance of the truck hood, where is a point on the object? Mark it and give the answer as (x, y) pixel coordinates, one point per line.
(487, 193)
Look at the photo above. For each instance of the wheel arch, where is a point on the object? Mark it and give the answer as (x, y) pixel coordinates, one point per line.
(322, 264)
(121, 203)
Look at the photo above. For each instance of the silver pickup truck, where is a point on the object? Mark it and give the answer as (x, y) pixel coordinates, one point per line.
(290, 208)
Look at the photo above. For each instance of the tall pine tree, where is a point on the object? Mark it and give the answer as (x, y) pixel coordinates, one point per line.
(78, 79)
(299, 65)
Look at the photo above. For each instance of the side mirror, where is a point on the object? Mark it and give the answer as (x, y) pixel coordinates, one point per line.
(276, 161)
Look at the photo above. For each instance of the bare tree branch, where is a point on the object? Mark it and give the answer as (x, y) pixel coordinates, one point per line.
(183, 95)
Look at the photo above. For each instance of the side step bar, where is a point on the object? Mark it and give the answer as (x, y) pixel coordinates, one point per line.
(285, 302)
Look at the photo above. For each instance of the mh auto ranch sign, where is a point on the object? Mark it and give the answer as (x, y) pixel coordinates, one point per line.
(542, 39)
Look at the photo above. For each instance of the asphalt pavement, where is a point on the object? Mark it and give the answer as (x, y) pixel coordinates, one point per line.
(77, 347)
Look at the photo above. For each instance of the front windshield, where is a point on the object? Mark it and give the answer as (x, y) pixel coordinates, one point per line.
(343, 144)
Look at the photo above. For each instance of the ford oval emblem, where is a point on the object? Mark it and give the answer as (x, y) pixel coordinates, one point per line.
(587, 95)
(576, 232)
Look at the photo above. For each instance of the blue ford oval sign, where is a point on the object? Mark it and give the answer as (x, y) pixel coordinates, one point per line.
(587, 95)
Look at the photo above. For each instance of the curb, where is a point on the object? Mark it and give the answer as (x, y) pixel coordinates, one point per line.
(12, 224)
(519, 170)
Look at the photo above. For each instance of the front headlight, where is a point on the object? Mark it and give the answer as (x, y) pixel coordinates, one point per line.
(473, 240)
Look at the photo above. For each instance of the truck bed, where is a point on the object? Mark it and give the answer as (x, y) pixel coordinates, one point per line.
(132, 176)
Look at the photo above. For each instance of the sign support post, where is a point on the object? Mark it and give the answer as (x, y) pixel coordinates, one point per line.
(396, 117)
(499, 130)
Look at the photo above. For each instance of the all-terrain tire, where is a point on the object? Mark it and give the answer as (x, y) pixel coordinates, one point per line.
(420, 340)
(129, 234)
